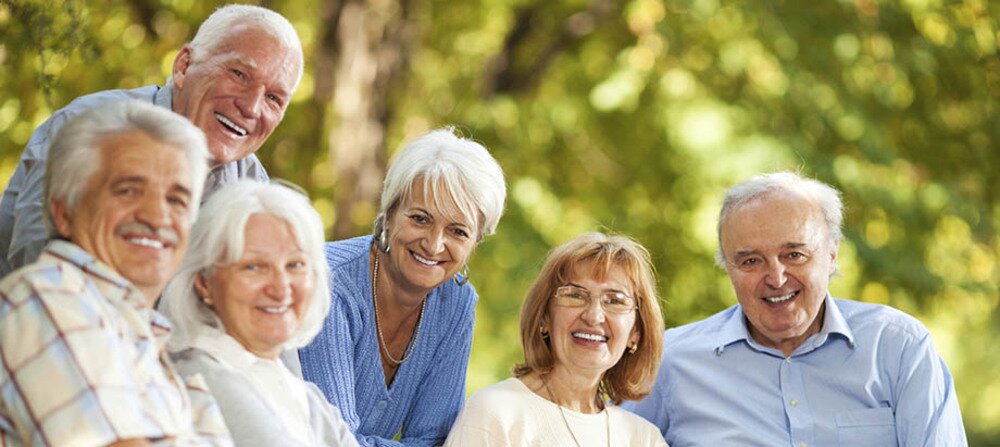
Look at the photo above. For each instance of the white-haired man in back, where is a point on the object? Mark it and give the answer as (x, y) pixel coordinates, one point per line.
(234, 81)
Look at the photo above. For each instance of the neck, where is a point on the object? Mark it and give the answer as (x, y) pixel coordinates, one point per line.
(574, 391)
(152, 295)
(788, 345)
(391, 295)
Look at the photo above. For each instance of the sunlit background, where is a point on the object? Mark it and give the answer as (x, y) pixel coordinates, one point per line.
(630, 116)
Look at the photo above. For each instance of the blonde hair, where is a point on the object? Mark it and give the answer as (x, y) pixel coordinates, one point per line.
(632, 377)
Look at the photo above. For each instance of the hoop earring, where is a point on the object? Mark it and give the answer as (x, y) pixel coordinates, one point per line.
(464, 276)
(383, 244)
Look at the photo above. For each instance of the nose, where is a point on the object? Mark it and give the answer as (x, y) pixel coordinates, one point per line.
(280, 285)
(154, 211)
(433, 243)
(594, 313)
(776, 276)
(251, 102)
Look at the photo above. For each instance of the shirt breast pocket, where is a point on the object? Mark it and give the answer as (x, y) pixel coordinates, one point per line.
(874, 427)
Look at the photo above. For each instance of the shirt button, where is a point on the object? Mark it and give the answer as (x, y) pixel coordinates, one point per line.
(788, 360)
(794, 403)
(382, 404)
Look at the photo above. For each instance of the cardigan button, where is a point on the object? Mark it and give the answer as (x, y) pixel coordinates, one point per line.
(382, 404)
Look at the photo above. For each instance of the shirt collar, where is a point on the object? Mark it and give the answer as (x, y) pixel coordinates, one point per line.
(120, 288)
(734, 328)
(83, 260)
(164, 96)
(225, 349)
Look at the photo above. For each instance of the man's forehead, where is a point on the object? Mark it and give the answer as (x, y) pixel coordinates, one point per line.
(782, 220)
(141, 157)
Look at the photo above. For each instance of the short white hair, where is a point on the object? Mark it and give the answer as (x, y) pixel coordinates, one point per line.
(217, 29)
(218, 237)
(447, 164)
(75, 154)
(826, 196)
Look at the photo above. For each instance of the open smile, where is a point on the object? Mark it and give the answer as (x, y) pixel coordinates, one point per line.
(229, 124)
(587, 336)
(274, 310)
(781, 298)
(425, 261)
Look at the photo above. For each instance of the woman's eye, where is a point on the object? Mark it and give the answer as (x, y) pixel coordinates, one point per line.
(419, 218)
(461, 233)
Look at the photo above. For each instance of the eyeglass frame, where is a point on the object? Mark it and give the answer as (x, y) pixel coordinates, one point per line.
(590, 297)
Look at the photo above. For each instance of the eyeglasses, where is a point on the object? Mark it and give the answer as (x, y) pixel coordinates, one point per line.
(612, 301)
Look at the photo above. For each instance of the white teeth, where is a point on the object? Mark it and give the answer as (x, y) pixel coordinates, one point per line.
(591, 337)
(274, 310)
(423, 260)
(145, 242)
(231, 124)
(780, 299)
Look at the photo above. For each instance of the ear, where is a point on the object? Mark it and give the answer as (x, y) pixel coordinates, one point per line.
(834, 250)
(181, 64)
(201, 288)
(61, 217)
(634, 337)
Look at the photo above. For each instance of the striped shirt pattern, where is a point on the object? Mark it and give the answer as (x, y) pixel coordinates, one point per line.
(83, 361)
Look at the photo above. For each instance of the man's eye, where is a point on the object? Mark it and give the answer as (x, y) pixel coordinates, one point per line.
(238, 73)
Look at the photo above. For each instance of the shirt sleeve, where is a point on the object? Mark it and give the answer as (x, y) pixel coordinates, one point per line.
(653, 407)
(927, 411)
(28, 232)
(440, 396)
(68, 378)
(328, 362)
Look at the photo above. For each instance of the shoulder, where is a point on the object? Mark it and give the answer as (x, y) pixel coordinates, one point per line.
(868, 318)
(698, 332)
(50, 282)
(194, 361)
(639, 428)
(498, 401)
(345, 253)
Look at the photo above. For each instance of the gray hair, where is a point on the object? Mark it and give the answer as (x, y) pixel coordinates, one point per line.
(471, 178)
(825, 196)
(75, 154)
(217, 238)
(217, 29)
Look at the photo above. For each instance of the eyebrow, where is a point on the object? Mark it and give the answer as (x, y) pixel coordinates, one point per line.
(787, 245)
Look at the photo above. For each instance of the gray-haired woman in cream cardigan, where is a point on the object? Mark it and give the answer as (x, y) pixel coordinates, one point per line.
(253, 283)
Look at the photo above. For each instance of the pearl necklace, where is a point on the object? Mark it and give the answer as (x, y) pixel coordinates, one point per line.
(607, 417)
(378, 327)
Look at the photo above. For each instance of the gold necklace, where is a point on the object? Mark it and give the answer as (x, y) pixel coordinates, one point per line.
(378, 327)
(607, 416)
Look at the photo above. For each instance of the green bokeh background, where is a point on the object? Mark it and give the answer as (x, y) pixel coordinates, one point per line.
(631, 116)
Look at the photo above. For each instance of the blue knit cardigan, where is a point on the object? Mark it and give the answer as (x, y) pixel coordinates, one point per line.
(428, 389)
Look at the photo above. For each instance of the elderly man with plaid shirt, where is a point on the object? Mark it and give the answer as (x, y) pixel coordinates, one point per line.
(82, 359)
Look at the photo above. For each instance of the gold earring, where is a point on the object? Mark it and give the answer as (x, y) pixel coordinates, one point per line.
(634, 348)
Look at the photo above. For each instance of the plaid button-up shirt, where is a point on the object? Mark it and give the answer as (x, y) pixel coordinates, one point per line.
(83, 361)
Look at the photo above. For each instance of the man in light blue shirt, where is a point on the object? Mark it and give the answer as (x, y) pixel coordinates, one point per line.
(234, 81)
(790, 365)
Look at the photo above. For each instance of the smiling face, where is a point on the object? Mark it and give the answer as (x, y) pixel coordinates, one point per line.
(779, 257)
(589, 340)
(262, 297)
(427, 244)
(236, 93)
(135, 212)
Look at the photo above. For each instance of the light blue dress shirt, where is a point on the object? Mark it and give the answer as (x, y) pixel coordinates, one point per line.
(22, 227)
(870, 377)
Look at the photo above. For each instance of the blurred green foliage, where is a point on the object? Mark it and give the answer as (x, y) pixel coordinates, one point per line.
(634, 116)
